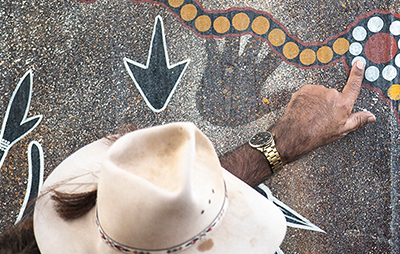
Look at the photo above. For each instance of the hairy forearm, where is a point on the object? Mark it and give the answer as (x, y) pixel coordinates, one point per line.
(248, 164)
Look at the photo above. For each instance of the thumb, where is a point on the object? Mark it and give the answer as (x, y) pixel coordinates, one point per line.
(358, 120)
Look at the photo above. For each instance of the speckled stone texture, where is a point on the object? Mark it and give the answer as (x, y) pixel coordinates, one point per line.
(232, 88)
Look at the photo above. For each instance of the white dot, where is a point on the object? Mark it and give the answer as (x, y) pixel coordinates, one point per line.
(389, 73)
(395, 27)
(372, 73)
(355, 48)
(358, 58)
(375, 24)
(397, 60)
(359, 33)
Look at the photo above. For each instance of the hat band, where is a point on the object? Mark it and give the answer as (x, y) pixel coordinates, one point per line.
(175, 249)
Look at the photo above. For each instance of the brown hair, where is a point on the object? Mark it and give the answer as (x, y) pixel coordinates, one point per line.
(72, 206)
(20, 239)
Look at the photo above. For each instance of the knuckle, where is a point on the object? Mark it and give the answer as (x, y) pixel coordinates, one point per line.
(334, 96)
(360, 123)
(355, 83)
(359, 74)
(348, 107)
(305, 88)
(333, 92)
(343, 105)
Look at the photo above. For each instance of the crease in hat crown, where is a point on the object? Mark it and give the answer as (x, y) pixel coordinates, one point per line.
(160, 187)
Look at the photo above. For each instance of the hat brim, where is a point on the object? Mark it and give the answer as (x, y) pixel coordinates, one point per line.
(251, 223)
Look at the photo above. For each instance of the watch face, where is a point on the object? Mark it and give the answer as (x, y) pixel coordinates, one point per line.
(261, 139)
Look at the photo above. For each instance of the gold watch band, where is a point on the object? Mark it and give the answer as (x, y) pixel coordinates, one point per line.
(273, 157)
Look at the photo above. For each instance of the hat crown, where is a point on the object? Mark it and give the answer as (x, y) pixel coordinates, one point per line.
(160, 187)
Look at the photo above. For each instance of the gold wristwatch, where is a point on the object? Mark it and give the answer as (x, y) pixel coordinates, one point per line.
(264, 142)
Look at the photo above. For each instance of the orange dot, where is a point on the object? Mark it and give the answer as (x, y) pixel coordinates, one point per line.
(221, 24)
(340, 46)
(277, 37)
(307, 56)
(203, 23)
(241, 21)
(260, 25)
(175, 3)
(290, 50)
(325, 54)
(394, 92)
(188, 12)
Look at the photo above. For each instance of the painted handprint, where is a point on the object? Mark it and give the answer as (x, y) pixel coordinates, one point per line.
(35, 178)
(230, 92)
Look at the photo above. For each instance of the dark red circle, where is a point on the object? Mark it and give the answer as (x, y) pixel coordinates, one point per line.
(380, 48)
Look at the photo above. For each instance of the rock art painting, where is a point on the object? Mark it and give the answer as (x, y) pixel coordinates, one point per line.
(373, 38)
(72, 72)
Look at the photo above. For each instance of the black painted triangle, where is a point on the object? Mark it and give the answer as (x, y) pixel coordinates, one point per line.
(35, 179)
(16, 125)
(157, 80)
(293, 219)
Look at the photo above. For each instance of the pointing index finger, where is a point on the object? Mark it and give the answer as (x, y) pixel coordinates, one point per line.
(353, 86)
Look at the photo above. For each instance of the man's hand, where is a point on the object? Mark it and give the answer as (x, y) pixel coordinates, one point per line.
(314, 117)
(317, 116)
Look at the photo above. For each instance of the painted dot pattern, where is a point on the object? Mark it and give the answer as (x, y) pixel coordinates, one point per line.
(373, 38)
(325, 54)
(188, 12)
(260, 25)
(379, 52)
(372, 73)
(389, 73)
(307, 57)
(291, 50)
(175, 3)
(241, 21)
(376, 41)
(397, 60)
(355, 48)
(203, 23)
(359, 33)
(394, 92)
(277, 37)
(234, 22)
(341, 46)
(221, 25)
(375, 24)
(358, 58)
(395, 27)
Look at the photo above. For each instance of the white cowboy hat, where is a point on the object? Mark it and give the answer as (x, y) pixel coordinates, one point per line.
(159, 190)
